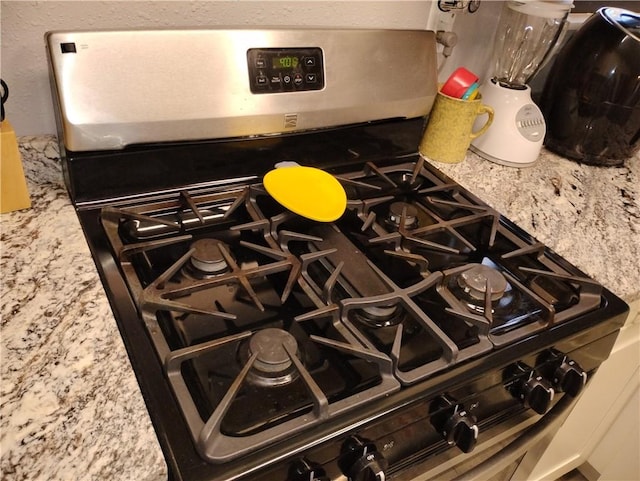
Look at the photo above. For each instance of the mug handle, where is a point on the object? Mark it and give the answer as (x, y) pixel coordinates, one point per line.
(484, 109)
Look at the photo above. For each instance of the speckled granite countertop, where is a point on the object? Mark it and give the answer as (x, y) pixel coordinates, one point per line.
(70, 406)
(589, 215)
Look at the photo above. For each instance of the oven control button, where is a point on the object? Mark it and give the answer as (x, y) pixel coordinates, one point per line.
(361, 461)
(304, 470)
(457, 425)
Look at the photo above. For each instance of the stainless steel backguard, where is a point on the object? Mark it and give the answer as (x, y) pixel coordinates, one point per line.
(117, 88)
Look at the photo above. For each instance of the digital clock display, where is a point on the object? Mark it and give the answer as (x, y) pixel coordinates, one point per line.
(288, 61)
(275, 70)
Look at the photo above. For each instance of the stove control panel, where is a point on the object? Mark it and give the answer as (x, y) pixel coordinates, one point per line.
(274, 70)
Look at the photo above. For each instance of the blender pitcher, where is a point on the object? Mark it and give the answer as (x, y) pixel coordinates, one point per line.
(525, 36)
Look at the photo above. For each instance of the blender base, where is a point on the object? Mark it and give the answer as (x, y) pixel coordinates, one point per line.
(500, 161)
(516, 135)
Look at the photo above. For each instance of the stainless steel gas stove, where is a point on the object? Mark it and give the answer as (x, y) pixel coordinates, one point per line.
(412, 338)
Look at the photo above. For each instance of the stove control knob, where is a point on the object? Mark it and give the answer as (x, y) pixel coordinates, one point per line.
(537, 394)
(457, 425)
(532, 389)
(565, 374)
(461, 429)
(304, 470)
(361, 461)
(569, 377)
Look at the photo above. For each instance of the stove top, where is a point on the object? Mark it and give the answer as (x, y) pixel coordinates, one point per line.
(268, 323)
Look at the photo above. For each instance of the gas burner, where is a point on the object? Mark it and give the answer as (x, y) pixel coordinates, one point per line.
(396, 210)
(469, 285)
(379, 316)
(478, 278)
(408, 179)
(207, 259)
(273, 365)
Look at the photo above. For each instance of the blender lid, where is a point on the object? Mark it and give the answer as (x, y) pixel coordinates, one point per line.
(543, 8)
(626, 20)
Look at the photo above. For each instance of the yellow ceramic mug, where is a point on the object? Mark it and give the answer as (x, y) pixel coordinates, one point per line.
(449, 129)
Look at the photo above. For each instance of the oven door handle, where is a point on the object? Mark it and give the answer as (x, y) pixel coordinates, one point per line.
(523, 443)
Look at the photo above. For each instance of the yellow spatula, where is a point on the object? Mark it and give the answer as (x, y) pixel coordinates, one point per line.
(307, 191)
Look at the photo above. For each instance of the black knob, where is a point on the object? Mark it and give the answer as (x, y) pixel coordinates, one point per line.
(565, 374)
(530, 388)
(461, 429)
(457, 426)
(304, 470)
(569, 377)
(361, 461)
(537, 394)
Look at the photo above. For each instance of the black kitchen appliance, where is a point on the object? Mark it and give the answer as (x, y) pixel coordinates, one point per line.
(416, 336)
(591, 98)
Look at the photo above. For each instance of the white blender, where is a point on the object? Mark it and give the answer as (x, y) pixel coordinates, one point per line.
(527, 32)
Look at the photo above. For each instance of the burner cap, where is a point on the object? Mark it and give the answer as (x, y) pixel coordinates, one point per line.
(207, 256)
(474, 282)
(380, 316)
(395, 214)
(272, 356)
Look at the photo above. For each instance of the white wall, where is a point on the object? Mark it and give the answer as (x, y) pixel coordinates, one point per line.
(475, 40)
(24, 65)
